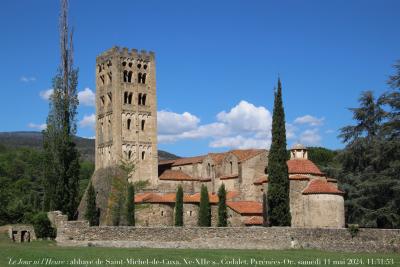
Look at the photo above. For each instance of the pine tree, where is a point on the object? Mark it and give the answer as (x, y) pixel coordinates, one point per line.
(179, 207)
(265, 210)
(278, 185)
(61, 163)
(222, 212)
(205, 209)
(91, 210)
(130, 206)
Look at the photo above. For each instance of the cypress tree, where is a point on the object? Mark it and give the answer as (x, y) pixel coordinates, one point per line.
(91, 210)
(265, 210)
(278, 185)
(130, 206)
(205, 209)
(222, 212)
(116, 210)
(179, 207)
(61, 162)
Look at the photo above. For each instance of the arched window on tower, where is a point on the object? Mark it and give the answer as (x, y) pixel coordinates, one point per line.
(125, 76)
(140, 99)
(143, 155)
(144, 99)
(139, 77)
(125, 97)
(130, 76)
(109, 77)
(130, 98)
(129, 154)
(144, 78)
(128, 124)
(142, 125)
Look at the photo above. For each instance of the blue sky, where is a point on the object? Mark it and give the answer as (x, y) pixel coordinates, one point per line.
(217, 64)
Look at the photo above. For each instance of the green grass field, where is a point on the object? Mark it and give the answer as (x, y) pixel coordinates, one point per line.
(47, 253)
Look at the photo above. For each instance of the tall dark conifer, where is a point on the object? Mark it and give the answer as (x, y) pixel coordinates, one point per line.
(130, 206)
(61, 165)
(205, 208)
(278, 178)
(265, 210)
(179, 207)
(222, 212)
(91, 210)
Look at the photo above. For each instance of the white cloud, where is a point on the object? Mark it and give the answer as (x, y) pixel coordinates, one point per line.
(26, 79)
(310, 137)
(241, 142)
(247, 117)
(310, 120)
(86, 97)
(174, 123)
(88, 121)
(46, 94)
(37, 126)
(244, 126)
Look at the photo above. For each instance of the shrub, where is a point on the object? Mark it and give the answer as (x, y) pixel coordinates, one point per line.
(42, 226)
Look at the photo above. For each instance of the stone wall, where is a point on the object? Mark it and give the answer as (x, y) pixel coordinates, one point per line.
(79, 233)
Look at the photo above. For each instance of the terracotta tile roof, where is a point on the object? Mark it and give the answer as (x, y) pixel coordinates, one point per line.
(166, 162)
(186, 161)
(187, 198)
(217, 157)
(176, 175)
(302, 166)
(195, 198)
(254, 220)
(319, 186)
(155, 198)
(245, 207)
(261, 180)
(245, 154)
(299, 177)
(227, 177)
(242, 154)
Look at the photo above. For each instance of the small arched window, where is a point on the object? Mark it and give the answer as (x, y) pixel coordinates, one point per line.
(142, 125)
(143, 155)
(231, 166)
(125, 97)
(129, 154)
(130, 98)
(144, 78)
(128, 124)
(139, 77)
(144, 99)
(130, 76)
(125, 76)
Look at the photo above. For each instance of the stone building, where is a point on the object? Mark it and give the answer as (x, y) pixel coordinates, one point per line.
(126, 111)
(315, 200)
(126, 130)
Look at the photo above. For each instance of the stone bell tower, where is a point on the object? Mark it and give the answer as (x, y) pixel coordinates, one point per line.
(126, 111)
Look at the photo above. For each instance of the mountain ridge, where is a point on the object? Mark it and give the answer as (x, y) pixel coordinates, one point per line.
(33, 139)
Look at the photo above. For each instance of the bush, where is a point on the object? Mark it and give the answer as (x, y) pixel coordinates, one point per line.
(353, 229)
(42, 226)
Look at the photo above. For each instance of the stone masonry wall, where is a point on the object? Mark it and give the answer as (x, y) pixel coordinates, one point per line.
(79, 233)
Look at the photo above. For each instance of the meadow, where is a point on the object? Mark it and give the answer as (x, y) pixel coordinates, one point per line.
(47, 253)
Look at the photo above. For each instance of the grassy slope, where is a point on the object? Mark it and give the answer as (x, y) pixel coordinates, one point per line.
(48, 249)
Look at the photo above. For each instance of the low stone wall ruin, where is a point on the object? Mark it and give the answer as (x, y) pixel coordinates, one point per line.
(78, 233)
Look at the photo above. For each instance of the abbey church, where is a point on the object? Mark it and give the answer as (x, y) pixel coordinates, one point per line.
(126, 129)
